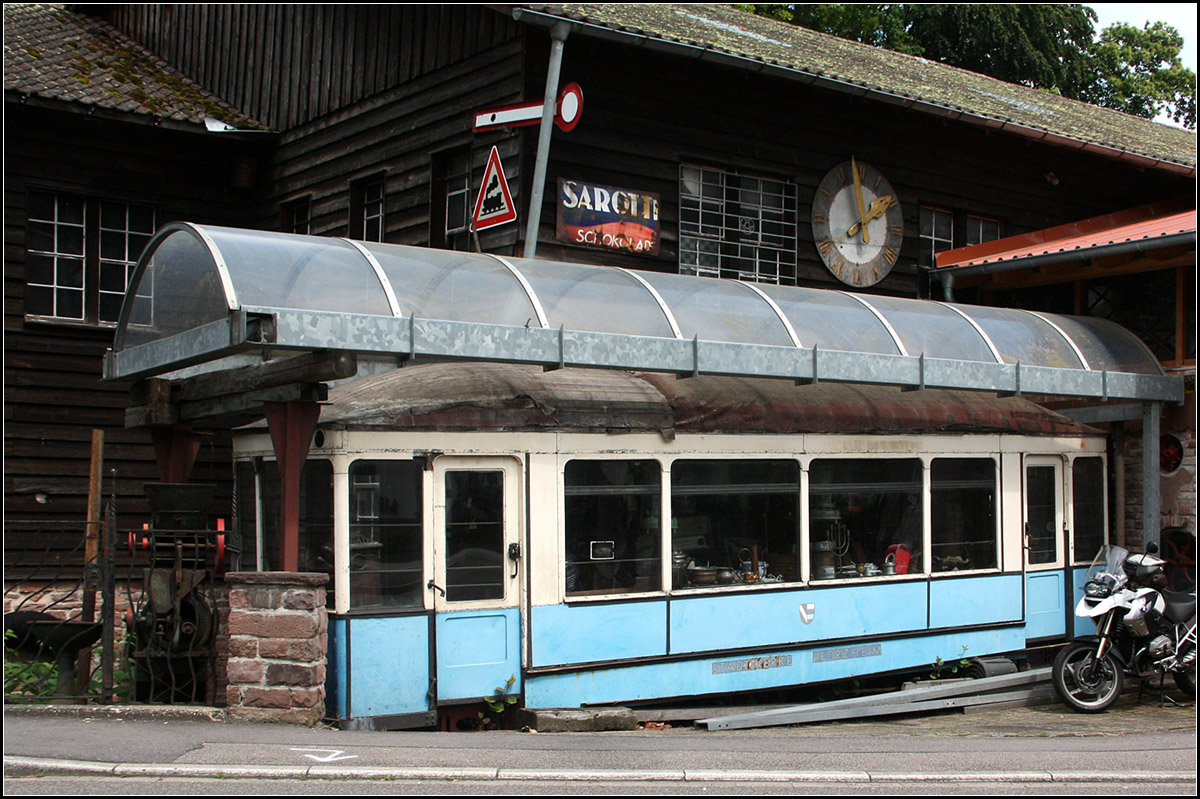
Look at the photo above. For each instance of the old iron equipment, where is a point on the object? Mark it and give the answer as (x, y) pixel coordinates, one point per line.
(172, 631)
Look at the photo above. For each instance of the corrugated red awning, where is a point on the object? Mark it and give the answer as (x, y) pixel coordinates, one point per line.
(1079, 238)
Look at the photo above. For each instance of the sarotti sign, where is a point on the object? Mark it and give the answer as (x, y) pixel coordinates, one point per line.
(607, 218)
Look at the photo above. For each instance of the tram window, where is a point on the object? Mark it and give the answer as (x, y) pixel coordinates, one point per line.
(612, 526)
(316, 519)
(1087, 496)
(729, 517)
(474, 535)
(963, 513)
(864, 514)
(386, 552)
(1041, 508)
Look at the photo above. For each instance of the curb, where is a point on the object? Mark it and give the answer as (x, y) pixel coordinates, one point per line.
(40, 767)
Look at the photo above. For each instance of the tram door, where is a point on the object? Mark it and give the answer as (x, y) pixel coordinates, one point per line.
(1047, 581)
(476, 577)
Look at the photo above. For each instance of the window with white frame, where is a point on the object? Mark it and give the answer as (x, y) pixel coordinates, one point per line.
(936, 234)
(366, 209)
(80, 255)
(735, 225)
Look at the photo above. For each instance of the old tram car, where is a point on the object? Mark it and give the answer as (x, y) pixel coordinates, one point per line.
(608, 537)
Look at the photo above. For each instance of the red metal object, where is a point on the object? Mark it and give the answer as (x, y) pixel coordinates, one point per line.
(175, 450)
(292, 425)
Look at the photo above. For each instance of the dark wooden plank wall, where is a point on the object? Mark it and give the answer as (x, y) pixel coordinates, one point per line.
(54, 394)
(397, 133)
(288, 64)
(645, 113)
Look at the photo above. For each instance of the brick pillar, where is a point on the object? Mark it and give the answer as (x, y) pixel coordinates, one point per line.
(277, 643)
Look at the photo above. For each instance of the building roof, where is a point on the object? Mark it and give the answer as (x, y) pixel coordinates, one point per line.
(726, 34)
(52, 53)
(1087, 238)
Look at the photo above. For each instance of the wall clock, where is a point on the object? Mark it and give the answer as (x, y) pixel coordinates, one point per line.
(857, 224)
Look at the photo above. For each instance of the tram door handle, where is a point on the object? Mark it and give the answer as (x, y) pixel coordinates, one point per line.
(514, 554)
(432, 585)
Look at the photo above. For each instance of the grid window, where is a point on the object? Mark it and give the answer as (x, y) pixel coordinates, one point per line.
(981, 229)
(55, 260)
(736, 226)
(366, 209)
(80, 257)
(937, 234)
(297, 216)
(450, 204)
(124, 232)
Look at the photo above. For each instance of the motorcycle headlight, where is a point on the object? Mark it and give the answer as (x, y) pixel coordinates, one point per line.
(1097, 589)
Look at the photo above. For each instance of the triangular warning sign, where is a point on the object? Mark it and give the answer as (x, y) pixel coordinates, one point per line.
(494, 205)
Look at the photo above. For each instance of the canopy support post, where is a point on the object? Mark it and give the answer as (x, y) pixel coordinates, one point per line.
(292, 425)
(1151, 466)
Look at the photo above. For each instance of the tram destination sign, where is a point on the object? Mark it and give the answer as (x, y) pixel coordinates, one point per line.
(607, 218)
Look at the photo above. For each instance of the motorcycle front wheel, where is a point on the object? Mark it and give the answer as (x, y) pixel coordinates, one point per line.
(1084, 683)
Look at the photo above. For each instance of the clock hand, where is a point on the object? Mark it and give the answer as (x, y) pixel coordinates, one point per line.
(878, 207)
(858, 197)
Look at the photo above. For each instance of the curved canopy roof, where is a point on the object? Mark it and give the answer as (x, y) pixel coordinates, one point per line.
(201, 293)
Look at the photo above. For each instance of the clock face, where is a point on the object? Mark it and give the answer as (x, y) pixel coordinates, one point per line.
(857, 224)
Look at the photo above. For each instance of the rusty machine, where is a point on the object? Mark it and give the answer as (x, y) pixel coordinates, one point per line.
(172, 629)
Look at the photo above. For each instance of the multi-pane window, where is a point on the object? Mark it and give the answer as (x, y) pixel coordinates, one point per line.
(80, 256)
(366, 209)
(450, 214)
(297, 216)
(124, 232)
(737, 226)
(981, 229)
(936, 234)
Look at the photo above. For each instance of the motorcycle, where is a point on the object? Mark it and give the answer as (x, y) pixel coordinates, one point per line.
(1141, 630)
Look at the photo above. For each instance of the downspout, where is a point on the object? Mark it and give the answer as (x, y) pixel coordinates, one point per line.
(558, 35)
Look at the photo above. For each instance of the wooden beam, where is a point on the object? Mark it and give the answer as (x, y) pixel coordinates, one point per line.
(316, 367)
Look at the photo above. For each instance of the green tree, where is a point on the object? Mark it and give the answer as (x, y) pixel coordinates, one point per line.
(1137, 70)
(1046, 46)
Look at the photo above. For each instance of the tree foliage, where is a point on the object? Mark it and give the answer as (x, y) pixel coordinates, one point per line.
(1046, 46)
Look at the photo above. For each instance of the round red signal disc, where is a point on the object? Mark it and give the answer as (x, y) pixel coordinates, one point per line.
(569, 107)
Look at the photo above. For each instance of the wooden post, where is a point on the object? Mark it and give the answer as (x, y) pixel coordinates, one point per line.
(91, 550)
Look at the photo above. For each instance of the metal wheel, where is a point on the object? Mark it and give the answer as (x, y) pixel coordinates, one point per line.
(1084, 683)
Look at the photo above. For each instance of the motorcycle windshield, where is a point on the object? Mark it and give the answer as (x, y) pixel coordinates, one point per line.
(1108, 560)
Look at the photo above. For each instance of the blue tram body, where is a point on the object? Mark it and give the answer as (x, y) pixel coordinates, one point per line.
(586, 537)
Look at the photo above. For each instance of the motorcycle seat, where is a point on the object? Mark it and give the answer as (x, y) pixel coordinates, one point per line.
(1180, 607)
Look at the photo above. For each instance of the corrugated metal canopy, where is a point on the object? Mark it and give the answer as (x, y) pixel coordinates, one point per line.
(201, 294)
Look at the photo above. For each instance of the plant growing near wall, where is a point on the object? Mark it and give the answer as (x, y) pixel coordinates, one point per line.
(497, 703)
(25, 679)
(945, 670)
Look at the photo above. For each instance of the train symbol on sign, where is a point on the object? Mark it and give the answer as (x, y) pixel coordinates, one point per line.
(495, 204)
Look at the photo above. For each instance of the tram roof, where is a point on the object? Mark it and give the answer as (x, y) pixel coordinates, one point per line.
(518, 397)
(206, 297)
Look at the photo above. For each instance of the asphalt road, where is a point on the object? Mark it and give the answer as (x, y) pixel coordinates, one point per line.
(1142, 746)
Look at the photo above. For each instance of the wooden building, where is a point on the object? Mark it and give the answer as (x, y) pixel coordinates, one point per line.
(705, 144)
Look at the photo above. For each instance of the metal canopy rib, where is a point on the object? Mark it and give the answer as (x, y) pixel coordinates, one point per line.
(223, 331)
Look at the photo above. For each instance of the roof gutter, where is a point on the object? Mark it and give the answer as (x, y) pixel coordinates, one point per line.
(544, 19)
(948, 274)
